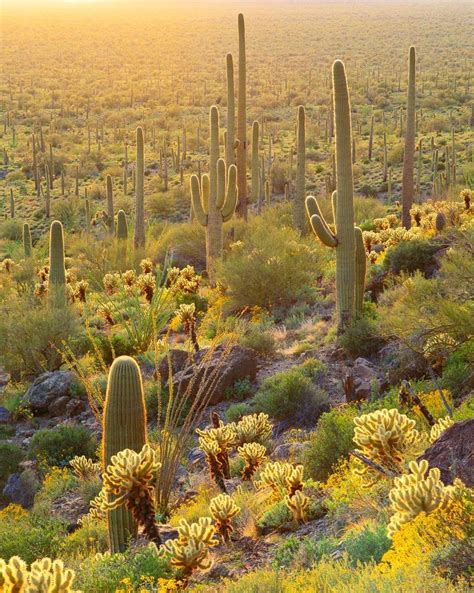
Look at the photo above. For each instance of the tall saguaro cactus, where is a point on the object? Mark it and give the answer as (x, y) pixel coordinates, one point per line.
(409, 152)
(139, 237)
(350, 260)
(57, 268)
(110, 205)
(27, 244)
(125, 427)
(230, 136)
(122, 228)
(255, 192)
(242, 207)
(298, 204)
(214, 197)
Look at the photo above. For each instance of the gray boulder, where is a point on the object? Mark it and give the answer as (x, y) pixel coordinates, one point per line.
(5, 416)
(47, 388)
(361, 379)
(21, 488)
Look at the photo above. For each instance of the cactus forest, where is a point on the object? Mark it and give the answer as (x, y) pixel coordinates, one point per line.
(236, 296)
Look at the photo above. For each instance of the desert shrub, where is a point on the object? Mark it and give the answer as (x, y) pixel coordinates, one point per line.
(361, 337)
(29, 342)
(265, 258)
(235, 412)
(57, 446)
(291, 395)
(410, 256)
(275, 516)
(88, 539)
(185, 245)
(11, 229)
(286, 552)
(259, 339)
(109, 573)
(240, 390)
(10, 457)
(367, 545)
(330, 442)
(458, 373)
(26, 535)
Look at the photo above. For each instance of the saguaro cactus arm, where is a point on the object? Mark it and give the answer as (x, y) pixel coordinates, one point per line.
(318, 223)
(230, 200)
(197, 194)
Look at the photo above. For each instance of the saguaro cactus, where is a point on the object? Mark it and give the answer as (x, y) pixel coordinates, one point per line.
(408, 154)
(110, 205)
(241, 125)
(27, 245)
(344, 238)
(230, 136)
(57, 269)
(139, 237)
(12, 204)
(125, 427)
(214, 197)
(298, 204)
(122, 228)
(255, 163)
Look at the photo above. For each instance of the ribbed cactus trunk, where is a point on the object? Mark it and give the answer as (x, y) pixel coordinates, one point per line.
(230, 136)
(27, 244)
(110, 205)
(122, 228)
(255, 163)
(371, 138)
(385, 156)
(12, 204)
(57, 269)
(242, 206)
(360, 271)
(214, 218)
(345, 252)
(300, 196)
(47, 192)
(139, 237)
(409, 152)
(124, 427)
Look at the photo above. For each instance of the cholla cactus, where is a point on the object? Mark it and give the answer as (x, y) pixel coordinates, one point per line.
(44, 576)
(111, 283)
(466, 195)
(79, 291)
(129, 278)
(282, 478)
(84, 468)
(254, 428)
(384, 436)
(224, 436)
(7, 265)
(190, 550)
(253, 454)
(186, 314)
(212, 451)
(129, 478)
(185, 280)
(147, 266)
(440, 426)
(147, 285)
(223, 509)
(298, 503)
(96, 509)
(415, 493)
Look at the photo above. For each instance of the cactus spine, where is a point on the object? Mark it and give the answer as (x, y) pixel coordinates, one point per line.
(408, 155)
(110, 205)
(230, 137)
(255, 163)
(125, 427)
(241, 125)
(122, 228)
(27, 245)
(139, 237)
(57, 269)
(298, 204)
(344, 239)
(214, 197)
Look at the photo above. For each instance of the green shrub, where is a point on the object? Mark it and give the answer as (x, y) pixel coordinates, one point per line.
(235, 412)
(29, 536)
(260, 269)
(88, 539)
(368, 545)
(11, 229)
(361, 338)
(331, 441)
(458, 372)
(292, 396)
(260, 340)
(184, 244)
(57, 446)
(275, 516)
(242, 389)
(104, 574)
(10, 457)
(410, 256)
(286, 552)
